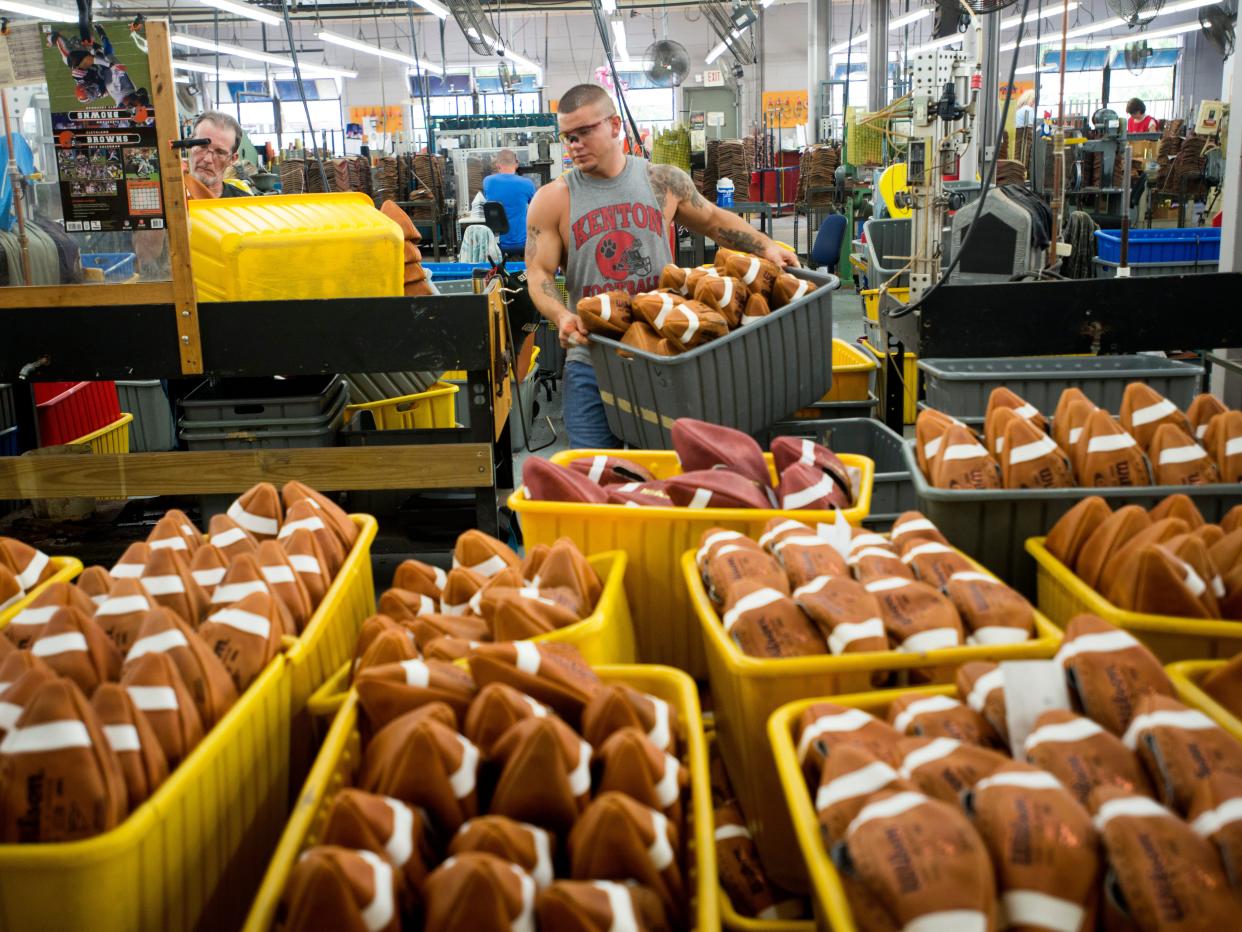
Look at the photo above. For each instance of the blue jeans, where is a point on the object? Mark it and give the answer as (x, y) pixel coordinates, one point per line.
(586, 424)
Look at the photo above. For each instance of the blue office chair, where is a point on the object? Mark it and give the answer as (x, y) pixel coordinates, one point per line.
(827, 248)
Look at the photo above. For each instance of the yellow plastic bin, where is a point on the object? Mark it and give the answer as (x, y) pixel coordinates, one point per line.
(909, 380)
(208, 826)
(293, 247)
(340, 756)
(113, 438)
(746, 690)
(190, 856)
(871, 300)
(604, 636)
(435, 409)
(1062, 595)
(654, 539)
(1186, 676)
(832, 909)
(853, 372)
(66, 569)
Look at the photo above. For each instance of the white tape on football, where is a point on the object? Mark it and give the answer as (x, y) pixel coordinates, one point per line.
(965, 451)
(307, 563)
(846, 633)
(605, 306)
(834, 723)
(800, 499)
(542, 872)
(528, 657)
(1021, 779)
(417, 673)
(1036, 909)
(660, 734)
(68, 643)
(312, 524)
(122, 738)
(984, 687)
(929, 705)
(1176, 455)
(861, 782)
(255, 524)
(1161, 409)
(154, 698)
(1099, 643)
(701, 498)
(950, 920)
(50, 736)
(997, 634)
(914, 524)
(168, 543)
(278, 573)
(580, 776)
(208, 579)
(1233, 446)
(1033, 450)
(243, 621)
(889, 808)
(1077, 729)
(1213, 820)
(157, 643)
(725, 832)
(1140, 807)
(936, 749)
(463, 778)
(400, 843)
(228, 538)
(760, 598)
(661, 850)
(382, 909)
(669, 786)
(235, 592)
(1184, 719)
(28, 578)
(783, 528)
(919, 550)
(1110, 443)
(126, 571)
(164, 585)
(692, 323)
(752, 271)
(35, 615)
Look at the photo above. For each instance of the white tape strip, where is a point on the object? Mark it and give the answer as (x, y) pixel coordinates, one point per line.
(845, 634)
(1161, 409)
(1186, 719)
(255, 524)
(929, 705)
(1110, 443)
(243, 621)
(50, 736)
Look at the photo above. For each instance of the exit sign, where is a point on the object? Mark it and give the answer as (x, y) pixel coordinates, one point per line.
(713, 78)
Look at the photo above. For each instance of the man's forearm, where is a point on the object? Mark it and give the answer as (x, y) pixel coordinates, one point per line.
(545, 294)
(730, 230)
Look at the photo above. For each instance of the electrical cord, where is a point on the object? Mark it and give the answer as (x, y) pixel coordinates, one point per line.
(989, 174)
(602, 27)
(297, 73)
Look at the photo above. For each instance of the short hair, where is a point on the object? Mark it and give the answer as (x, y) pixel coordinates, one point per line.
(1135, 106)
(506, 157)
(222, 120)
(584, 95)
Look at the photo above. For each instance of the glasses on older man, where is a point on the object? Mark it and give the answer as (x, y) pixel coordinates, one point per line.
(219, 154)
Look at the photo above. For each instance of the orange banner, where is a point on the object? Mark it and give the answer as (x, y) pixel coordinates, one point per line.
(786, 109)
(390, 119)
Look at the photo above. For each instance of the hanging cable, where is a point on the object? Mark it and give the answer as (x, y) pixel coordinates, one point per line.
(601, 27)
(297, 74)
(424, 92)
(988, 175)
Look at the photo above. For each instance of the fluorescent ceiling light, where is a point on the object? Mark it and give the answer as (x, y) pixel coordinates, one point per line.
(619, 44)
(1033, 15)
(842, 46)
(237, 51)
(715, 53)
(1116, 21)
(1026, 69)
(608, 6)
(909, 18)
(40, 11)
(246, 10)
(938, 43)
(1155, 34)
(338, 39)
(514, 57)
(229, 74)
(435, 9)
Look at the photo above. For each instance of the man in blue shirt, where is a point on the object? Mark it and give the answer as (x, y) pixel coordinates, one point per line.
(514, 192)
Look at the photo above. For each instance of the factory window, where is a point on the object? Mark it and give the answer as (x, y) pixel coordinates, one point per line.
(1084, 80)
(653, 106)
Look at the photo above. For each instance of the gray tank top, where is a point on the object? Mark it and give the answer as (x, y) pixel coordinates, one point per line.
(618, 237)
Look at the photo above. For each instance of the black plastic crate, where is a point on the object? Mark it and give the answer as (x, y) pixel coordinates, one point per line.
(271, 400)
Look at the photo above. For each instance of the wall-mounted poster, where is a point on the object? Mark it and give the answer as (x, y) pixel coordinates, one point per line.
(390, 119)
(107, 155)
(786, 109)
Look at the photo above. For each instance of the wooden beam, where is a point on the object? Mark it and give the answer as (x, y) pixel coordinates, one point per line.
(176, 220)
(101, 295)
(431, 466)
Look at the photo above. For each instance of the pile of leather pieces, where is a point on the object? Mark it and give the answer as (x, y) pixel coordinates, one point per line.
(1152, 442)
(1188, 165)
(109, 683)
(721, 468)
(1064, 820)
(519, 792)
(489, 596)
(293, 176)
(694, 306)
(1168, 561)
(817, 169)
(1009, 171)
(1171, 140)
(735, 160)
(414, 276)
(797, 593)
(387, 186)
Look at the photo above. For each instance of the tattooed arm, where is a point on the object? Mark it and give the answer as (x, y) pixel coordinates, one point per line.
(692, 210)
(544, 253)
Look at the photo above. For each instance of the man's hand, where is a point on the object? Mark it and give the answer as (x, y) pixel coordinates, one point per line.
(571, 330)
(774, 252)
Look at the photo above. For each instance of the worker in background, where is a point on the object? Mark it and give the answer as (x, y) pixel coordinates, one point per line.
(514, 192)
(1139, 121)
(606, 223)
(210, 163)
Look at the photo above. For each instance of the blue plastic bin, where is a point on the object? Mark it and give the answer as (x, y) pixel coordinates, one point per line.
(1179, 244)
(453, 271)
(117, 266)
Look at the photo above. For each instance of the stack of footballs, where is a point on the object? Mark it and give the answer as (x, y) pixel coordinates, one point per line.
(490, 595)
(794, 593)
(414, 276)
(521, 793)
(1167, 561)
(721, 468)
(694, 306)
(1116, 808)
(1152, 443)
(109, 683)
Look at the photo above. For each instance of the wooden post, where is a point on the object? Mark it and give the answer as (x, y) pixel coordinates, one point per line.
(176, 218)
